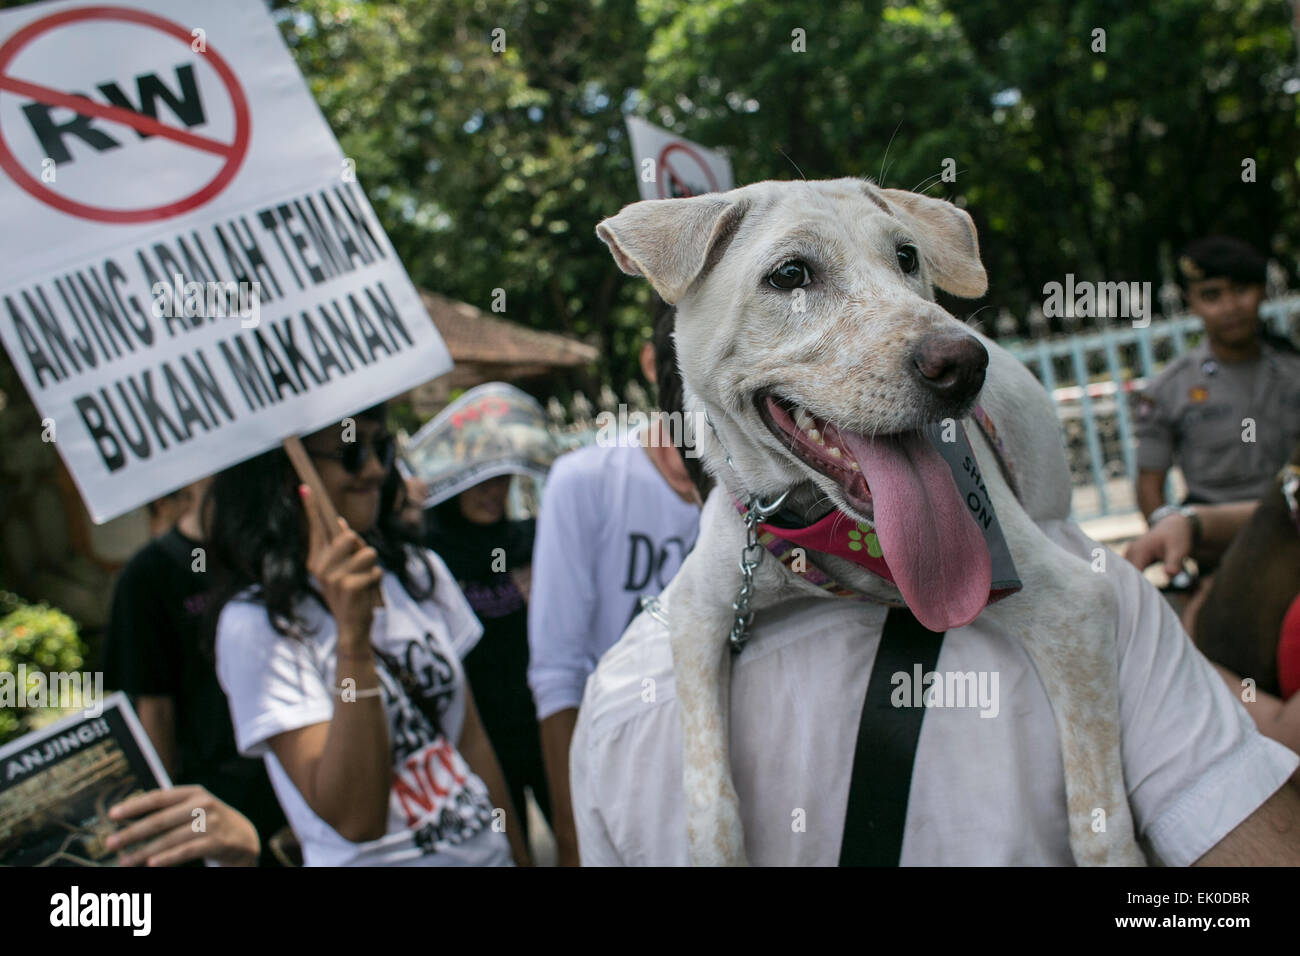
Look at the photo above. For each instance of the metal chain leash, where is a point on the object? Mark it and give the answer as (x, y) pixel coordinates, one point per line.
(750, 555)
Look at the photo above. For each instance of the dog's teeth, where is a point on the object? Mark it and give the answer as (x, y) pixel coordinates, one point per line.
(835, 452)
(815, 435)
(802, 419)
(854, 465)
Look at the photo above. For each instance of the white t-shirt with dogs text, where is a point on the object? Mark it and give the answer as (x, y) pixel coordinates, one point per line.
(610, 530)
(439, 811)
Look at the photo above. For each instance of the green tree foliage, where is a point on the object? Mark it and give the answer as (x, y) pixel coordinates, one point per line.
(1070, 158)
(490, 169)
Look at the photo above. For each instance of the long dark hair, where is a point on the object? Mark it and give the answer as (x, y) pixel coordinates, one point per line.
(669, 385)
(256, 535)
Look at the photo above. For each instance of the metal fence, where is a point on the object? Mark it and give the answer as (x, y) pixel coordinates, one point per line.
(1093, 376)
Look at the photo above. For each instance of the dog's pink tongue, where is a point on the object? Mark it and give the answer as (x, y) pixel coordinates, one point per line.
(934, 549)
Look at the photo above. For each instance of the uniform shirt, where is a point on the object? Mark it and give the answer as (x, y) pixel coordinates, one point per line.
(439, 811)
(609, 530)
(1193, 414)
(986, 790)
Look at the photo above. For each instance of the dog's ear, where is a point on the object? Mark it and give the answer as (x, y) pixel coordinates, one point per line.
(952, 249)
(669, 241)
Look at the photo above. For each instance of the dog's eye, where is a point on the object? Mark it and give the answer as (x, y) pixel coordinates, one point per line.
(790, 275)
(907, 258)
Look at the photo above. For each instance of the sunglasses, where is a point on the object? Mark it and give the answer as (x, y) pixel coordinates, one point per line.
(354, 455)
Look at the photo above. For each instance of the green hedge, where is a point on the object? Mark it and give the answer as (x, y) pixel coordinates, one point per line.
(43, 638)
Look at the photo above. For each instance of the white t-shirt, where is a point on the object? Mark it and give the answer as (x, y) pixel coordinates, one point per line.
(986, 791)
(609, 530)
(439, 812)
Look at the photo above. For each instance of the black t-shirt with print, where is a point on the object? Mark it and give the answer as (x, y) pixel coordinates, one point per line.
(497, 667)
(156, 647)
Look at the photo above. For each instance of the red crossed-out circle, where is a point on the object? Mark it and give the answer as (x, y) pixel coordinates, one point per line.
(663, 165)
(233, 152)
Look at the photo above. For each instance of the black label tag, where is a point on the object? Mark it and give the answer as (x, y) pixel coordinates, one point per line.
(959, 455)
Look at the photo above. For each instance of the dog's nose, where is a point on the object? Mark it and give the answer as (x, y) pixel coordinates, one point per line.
(950, 364)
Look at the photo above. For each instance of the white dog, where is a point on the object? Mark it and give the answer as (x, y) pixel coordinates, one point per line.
(808, 334)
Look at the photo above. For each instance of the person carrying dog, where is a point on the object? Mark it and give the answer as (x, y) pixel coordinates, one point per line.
(879, 694)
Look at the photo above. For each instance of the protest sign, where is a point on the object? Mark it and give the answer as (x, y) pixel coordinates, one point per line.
(190, 271)
(670, 167)
(57, 785)
(494, 429)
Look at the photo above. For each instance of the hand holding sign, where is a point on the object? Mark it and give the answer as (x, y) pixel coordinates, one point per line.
(347, 571)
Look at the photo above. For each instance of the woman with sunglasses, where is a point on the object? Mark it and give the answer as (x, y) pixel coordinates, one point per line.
(340, 652)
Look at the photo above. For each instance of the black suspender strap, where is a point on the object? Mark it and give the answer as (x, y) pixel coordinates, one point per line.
(886, 748)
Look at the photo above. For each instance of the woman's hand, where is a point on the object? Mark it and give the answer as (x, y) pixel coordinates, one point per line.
(180, 825)
(348, 574)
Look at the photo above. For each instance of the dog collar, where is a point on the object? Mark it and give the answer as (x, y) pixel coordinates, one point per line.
(836, 534)
(841, 535)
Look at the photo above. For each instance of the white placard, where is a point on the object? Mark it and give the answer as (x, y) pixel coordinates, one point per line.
(142, 141)
(669, 167)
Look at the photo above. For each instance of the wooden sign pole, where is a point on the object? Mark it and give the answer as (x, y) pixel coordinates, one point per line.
(307, 474)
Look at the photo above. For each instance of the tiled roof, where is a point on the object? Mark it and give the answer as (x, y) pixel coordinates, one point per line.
(473, 336)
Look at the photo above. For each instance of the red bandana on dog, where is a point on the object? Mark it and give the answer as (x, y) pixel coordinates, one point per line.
(987, 573)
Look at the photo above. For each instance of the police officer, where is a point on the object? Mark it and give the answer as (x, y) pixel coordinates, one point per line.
(1228, 411)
